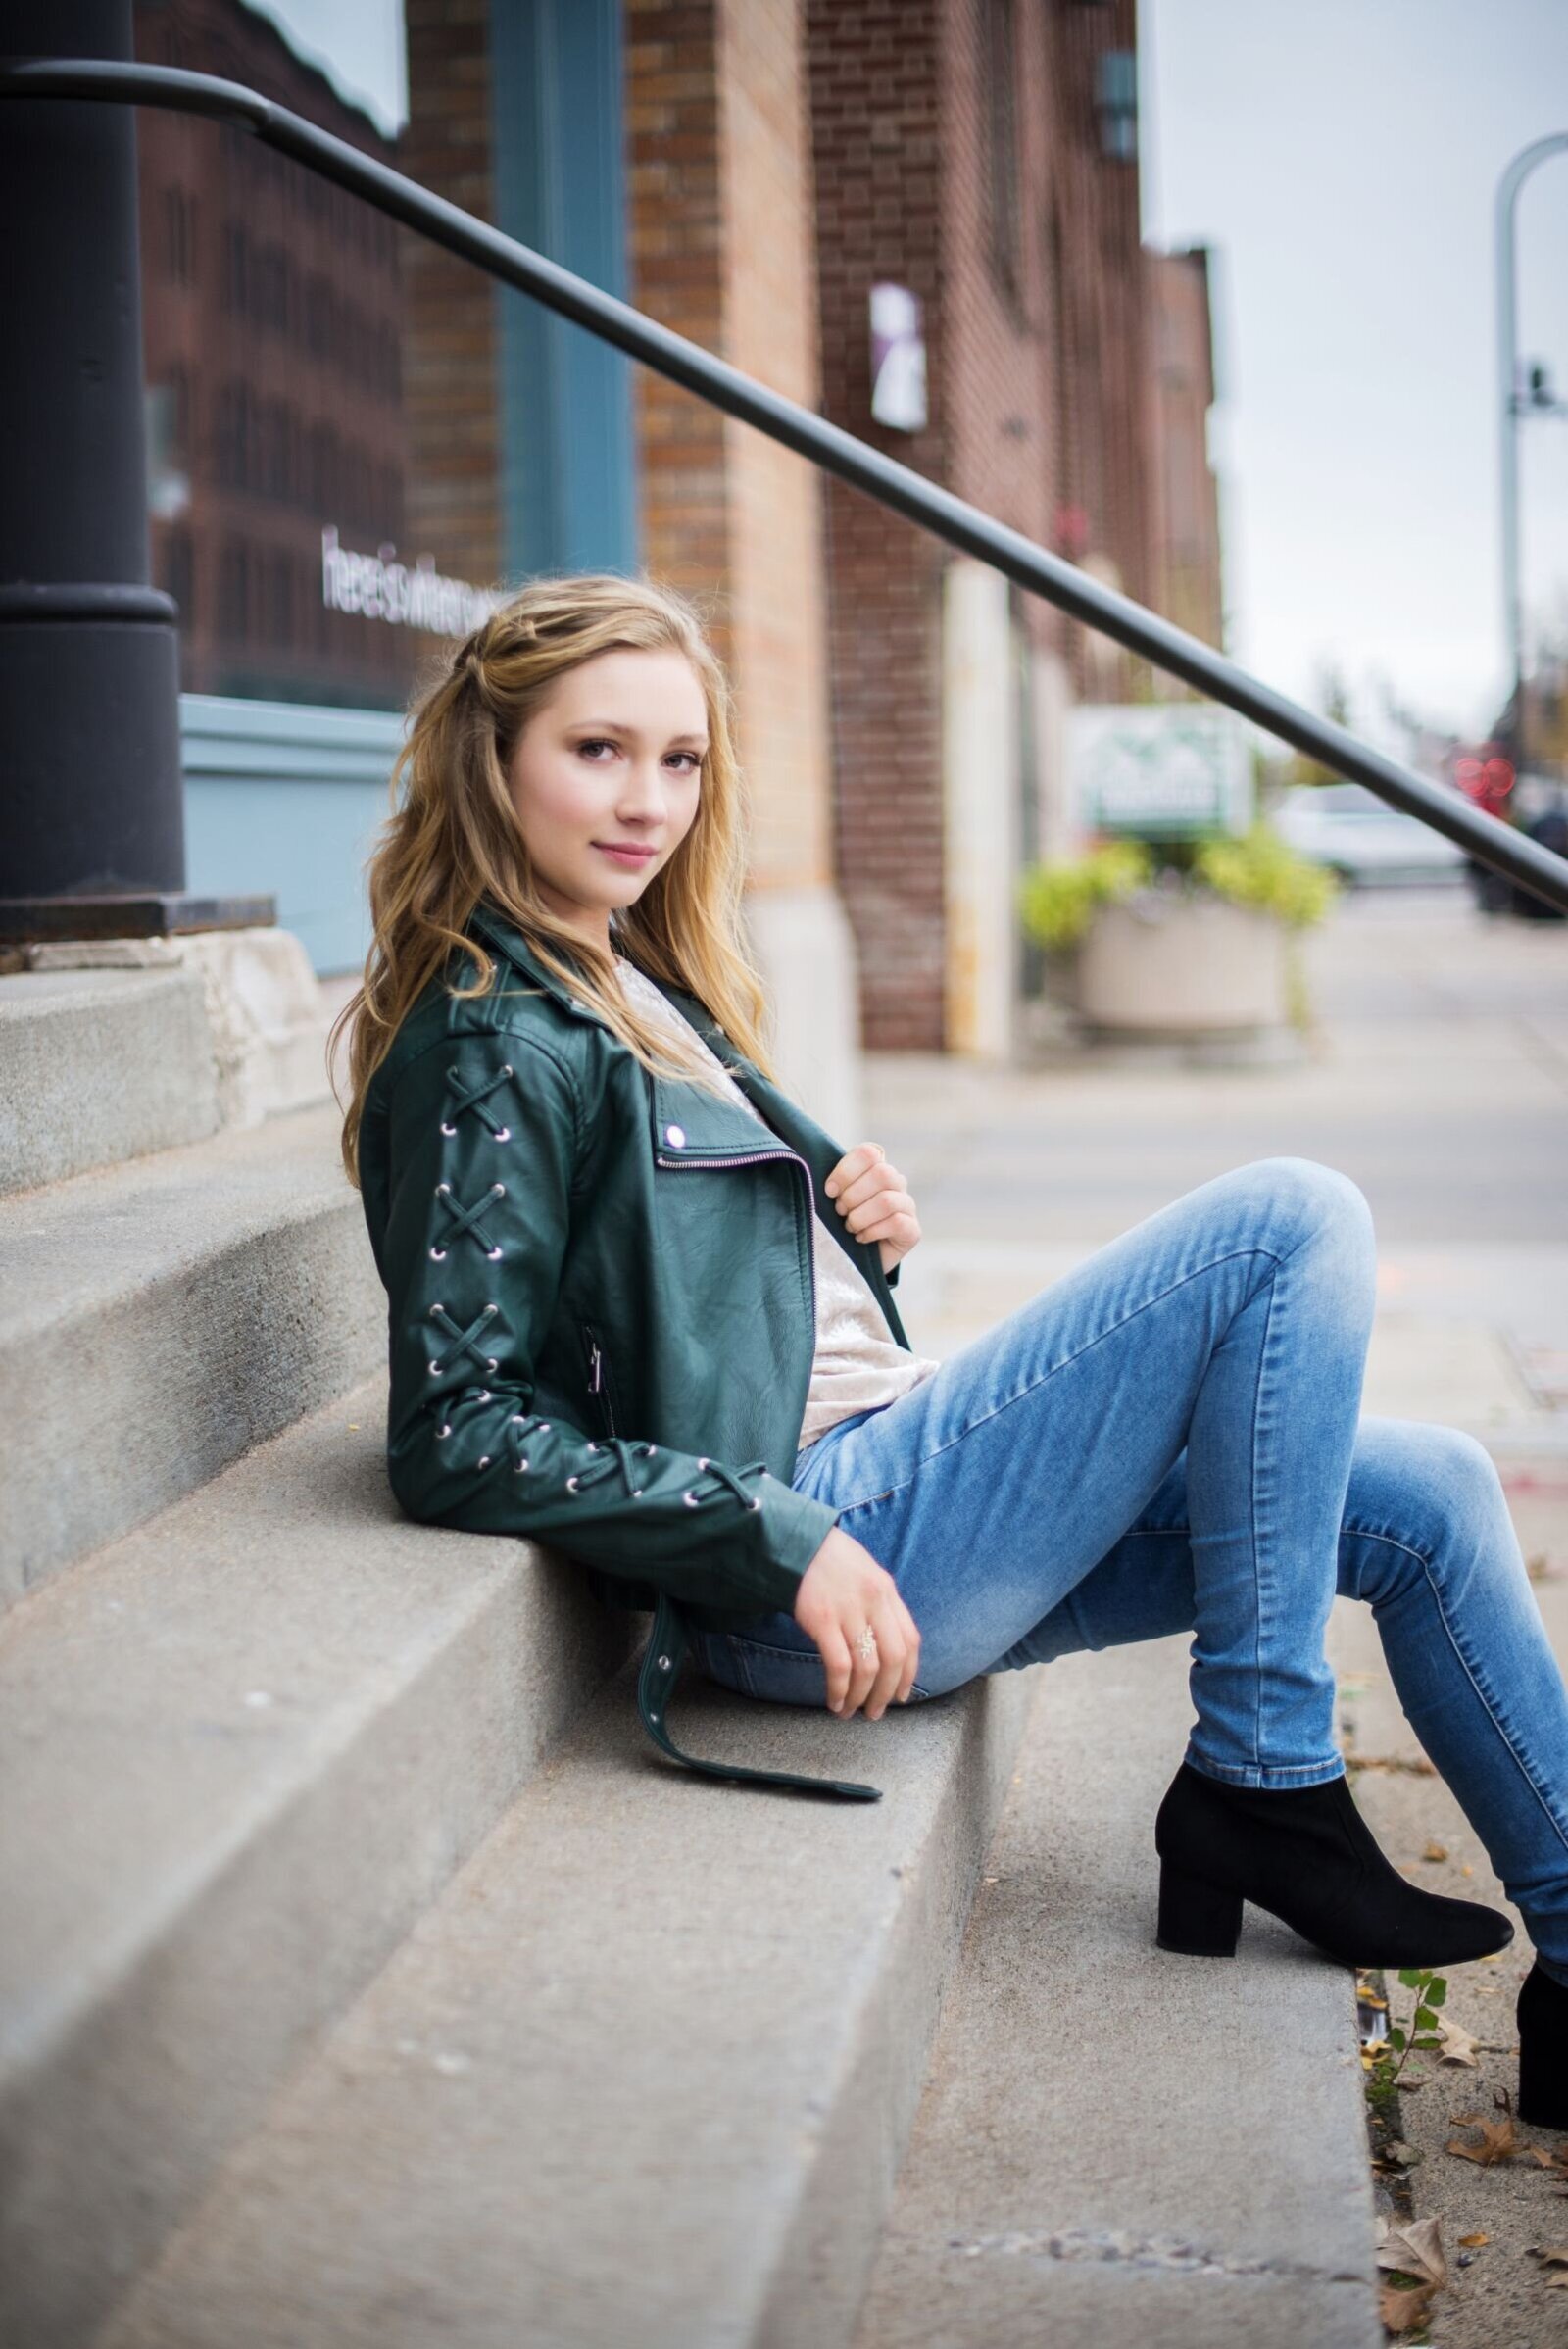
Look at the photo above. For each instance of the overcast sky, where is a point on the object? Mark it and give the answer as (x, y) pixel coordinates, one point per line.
(1342, 159)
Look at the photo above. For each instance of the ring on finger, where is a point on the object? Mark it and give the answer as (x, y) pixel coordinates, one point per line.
(866, 1645)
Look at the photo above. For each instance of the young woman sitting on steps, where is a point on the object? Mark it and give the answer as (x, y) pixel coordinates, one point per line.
(641, 1310)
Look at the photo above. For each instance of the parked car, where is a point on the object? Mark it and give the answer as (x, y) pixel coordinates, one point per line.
(1539, 810)
(1362, 838)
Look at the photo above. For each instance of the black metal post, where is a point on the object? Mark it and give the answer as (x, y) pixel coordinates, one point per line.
(91, 807)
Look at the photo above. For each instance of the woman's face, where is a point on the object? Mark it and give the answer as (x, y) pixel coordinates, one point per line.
(612, 760)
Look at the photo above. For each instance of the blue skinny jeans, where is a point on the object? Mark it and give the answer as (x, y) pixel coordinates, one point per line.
(1168, 1438)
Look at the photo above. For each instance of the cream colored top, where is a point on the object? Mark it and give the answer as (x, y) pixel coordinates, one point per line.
(857, 1362)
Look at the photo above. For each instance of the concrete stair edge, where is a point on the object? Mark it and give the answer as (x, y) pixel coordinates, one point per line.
(644, 2071)
(162, 1315)
(1116, 2143)
(161, 1832)
(97, 1067)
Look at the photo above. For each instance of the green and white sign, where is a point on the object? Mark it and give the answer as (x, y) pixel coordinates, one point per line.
(1162, 769)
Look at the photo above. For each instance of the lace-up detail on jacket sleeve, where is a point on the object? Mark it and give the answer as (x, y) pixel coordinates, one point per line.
(482, 1135)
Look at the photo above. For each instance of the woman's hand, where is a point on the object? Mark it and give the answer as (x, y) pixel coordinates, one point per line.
(843, 1589)
(869, 1195)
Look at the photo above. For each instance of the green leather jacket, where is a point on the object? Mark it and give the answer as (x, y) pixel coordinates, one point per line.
(602, 1306)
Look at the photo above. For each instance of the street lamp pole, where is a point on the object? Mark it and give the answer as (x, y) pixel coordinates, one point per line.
(1508, 187)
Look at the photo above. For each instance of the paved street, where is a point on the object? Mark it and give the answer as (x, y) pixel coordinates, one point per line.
(1436, 1075)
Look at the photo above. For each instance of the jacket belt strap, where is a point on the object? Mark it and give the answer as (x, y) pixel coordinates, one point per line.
(666, 1650)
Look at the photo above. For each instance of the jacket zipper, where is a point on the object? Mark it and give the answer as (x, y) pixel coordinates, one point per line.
(598, 1384)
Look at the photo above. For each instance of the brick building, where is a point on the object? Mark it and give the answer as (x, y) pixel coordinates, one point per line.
(1184, 507)
(664, 153)
(745, 172)
(982, 153)
(272, 343)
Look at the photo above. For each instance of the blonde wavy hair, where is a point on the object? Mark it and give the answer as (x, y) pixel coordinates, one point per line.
(453, 838)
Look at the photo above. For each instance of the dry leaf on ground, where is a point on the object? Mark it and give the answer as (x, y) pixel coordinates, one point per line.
(1458, 2047)
(1500, 2140)
(1402, 2306)
(1416, 2247)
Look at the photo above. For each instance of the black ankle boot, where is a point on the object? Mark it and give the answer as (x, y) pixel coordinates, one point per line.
(1306, 1855)
(1541, 2011)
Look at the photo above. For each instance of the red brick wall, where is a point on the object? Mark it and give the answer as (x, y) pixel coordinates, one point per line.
(676, 269)
(720, 240)
(449, 383)
(1036, 395)
(877, 108)
(1183, 498)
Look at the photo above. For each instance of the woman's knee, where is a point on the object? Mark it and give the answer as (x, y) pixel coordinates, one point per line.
(1439, 1495)
(1314, 1193)
(1300, 1200)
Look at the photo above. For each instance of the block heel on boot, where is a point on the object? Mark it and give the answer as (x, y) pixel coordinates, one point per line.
(1541, 2014)
(1197, 1918)
(1306, 1855)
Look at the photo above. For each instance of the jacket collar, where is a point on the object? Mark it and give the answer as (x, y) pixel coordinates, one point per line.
(509, 941)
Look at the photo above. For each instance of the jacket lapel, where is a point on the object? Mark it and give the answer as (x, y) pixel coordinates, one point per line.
(708, 1126)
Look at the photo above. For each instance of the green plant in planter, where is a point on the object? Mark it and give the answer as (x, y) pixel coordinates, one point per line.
(1260, 870)
(1057, 900)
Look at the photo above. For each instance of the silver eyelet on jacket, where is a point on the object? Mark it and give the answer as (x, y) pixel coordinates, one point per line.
(689, 1497)
(571, 1483)
(438, 1255)
(483, 1463)
(435, 1370)
(520, 1468)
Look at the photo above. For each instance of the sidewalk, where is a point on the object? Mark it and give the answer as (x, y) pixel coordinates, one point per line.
(1117, 2140)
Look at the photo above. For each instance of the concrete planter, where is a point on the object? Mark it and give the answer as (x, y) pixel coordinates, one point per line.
(1180, 965)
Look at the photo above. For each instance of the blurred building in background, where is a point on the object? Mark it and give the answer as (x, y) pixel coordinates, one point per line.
(273, 336)
(1184, 503)
(921, 221)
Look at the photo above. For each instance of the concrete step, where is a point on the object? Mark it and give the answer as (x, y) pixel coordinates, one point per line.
(100, 1065)
(243, 1748)
(644, 2073)
(1119, 2145)
(159, 1317)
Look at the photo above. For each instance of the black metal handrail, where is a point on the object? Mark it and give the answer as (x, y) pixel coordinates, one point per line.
(1496, 843)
